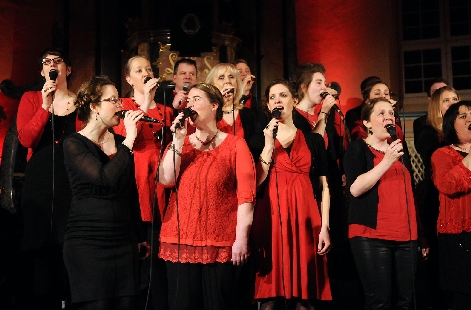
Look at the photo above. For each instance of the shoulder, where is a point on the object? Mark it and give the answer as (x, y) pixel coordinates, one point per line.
(31, 96)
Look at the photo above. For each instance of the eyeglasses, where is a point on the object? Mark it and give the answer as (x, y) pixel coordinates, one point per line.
(47, 61)
(116, 101)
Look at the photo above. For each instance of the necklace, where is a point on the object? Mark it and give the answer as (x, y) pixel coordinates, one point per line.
(209, 141)
(228, 112)
(65, 118)
(371, 147)
(100, 144)
(461, 148)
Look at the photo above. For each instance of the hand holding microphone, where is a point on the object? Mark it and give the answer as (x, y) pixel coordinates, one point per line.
(150, 84)
(49, 89)
(395, 149)
(331, 101)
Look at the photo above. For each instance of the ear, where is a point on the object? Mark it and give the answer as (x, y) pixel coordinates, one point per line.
(68, 70)
(42, 73)
(295, 101)
(174, 78)
(303, 87)
(215, 106)
(128, 79)
(366, 124)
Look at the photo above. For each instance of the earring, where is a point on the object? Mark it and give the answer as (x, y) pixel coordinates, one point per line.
(96, 116)
(370, 132)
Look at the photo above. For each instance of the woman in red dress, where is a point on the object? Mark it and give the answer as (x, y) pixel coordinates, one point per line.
(381, 215)
(289, 233)
(206, 226)
(150, 140)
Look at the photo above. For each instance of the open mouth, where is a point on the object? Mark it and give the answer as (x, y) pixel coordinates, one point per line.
(469, 127)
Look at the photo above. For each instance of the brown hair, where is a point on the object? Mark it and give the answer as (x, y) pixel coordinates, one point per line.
(289, 85)
(214, 96)
(303, 75)
(90, 93)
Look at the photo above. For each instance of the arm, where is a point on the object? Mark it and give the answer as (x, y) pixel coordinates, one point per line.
(170, 166)
(149, 89)
(367, 180)
(451, 177)
(31, 120)
(245, 175)
(327, 104)
(324, 238)
(264, 163)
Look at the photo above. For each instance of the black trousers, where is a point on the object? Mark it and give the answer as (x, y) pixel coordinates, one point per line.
(387, 271)
(201, 286)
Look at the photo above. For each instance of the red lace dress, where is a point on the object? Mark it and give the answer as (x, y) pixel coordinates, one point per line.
(212, 184)
(288, 264)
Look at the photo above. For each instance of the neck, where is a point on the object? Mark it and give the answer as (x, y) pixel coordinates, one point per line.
(306, 105)
(378, 143)
(206, 130)
(95, 130)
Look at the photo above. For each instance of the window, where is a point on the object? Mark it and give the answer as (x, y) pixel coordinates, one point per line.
(436, 42)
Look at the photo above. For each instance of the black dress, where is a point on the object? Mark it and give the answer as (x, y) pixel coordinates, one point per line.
(104, 225)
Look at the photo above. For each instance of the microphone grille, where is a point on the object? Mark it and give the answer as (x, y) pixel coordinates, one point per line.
(53, 74)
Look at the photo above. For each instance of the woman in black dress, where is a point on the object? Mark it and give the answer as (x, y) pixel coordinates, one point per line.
(104, 229)
(44, 119)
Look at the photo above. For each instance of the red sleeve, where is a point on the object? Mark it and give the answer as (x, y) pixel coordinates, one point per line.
(31, 119)
(449, 174)
(245, 173)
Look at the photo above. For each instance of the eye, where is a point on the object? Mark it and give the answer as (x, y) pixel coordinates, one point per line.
(192, 74)
(462, 116)
(138, 70)
(231, 76)
(149, 69)
(391, 113)
(284, 95)
(271, 97)
(221, 77)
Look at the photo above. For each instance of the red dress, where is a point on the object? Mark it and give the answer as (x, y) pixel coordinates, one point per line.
(225, 127)
(146, 155)
(290, 247)
(212, 184)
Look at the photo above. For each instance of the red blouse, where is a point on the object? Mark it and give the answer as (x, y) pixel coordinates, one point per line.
(396, 210)
(212, 186)
(453, 181)
(225, 127)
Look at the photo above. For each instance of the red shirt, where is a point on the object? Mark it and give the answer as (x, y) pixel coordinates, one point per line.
(212, 186)
(225, 127)
(396, 211)
(453, 181)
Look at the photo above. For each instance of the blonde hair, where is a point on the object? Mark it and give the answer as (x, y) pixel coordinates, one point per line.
(222, 68)
(434, 116)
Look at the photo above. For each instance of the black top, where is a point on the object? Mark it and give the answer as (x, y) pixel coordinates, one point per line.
(44, 205)
(358, 159)
(104, 191)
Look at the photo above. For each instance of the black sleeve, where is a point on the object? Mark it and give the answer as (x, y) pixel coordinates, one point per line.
(322, 166)
(80, 159)
(427, 142)
(354, 162)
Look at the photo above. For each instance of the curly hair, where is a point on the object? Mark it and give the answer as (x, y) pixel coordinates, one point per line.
(214, 96)
(303, 75)
(90, 93)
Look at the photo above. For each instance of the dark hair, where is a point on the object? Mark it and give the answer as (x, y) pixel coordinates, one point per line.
(429, 84)
(449, 132)
(56, 52)
(187, 61)
(369, 82)
(368, 108)
(240, 60)
(366, 92)
(291, 88)
(303, 75)
(214, 96)
(90, 93)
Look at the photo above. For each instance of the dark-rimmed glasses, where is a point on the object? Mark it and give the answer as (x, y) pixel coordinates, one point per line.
(47, 61)
(113, 100)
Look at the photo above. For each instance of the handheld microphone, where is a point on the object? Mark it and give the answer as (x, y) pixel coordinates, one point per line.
(187, 112)
(391, 129)
(334, 94)
(53, 74)
(276, 113)
(144, 118)
(186, 87)
(147, 79)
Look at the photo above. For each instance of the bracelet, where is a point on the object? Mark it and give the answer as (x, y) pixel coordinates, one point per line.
(263, 161)
(326, 114)
(173, 149)
(129, 148)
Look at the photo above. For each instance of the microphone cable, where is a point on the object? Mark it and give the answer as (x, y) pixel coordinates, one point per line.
(280, 219)
(154, 196)
(53, 164)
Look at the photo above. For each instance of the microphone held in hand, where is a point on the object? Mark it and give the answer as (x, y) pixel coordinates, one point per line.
(186, 87)
(147, 79)
(53, 74)
(144, 118)
(334, 94)
(187, 112)
(276, 113)
(391, 129)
